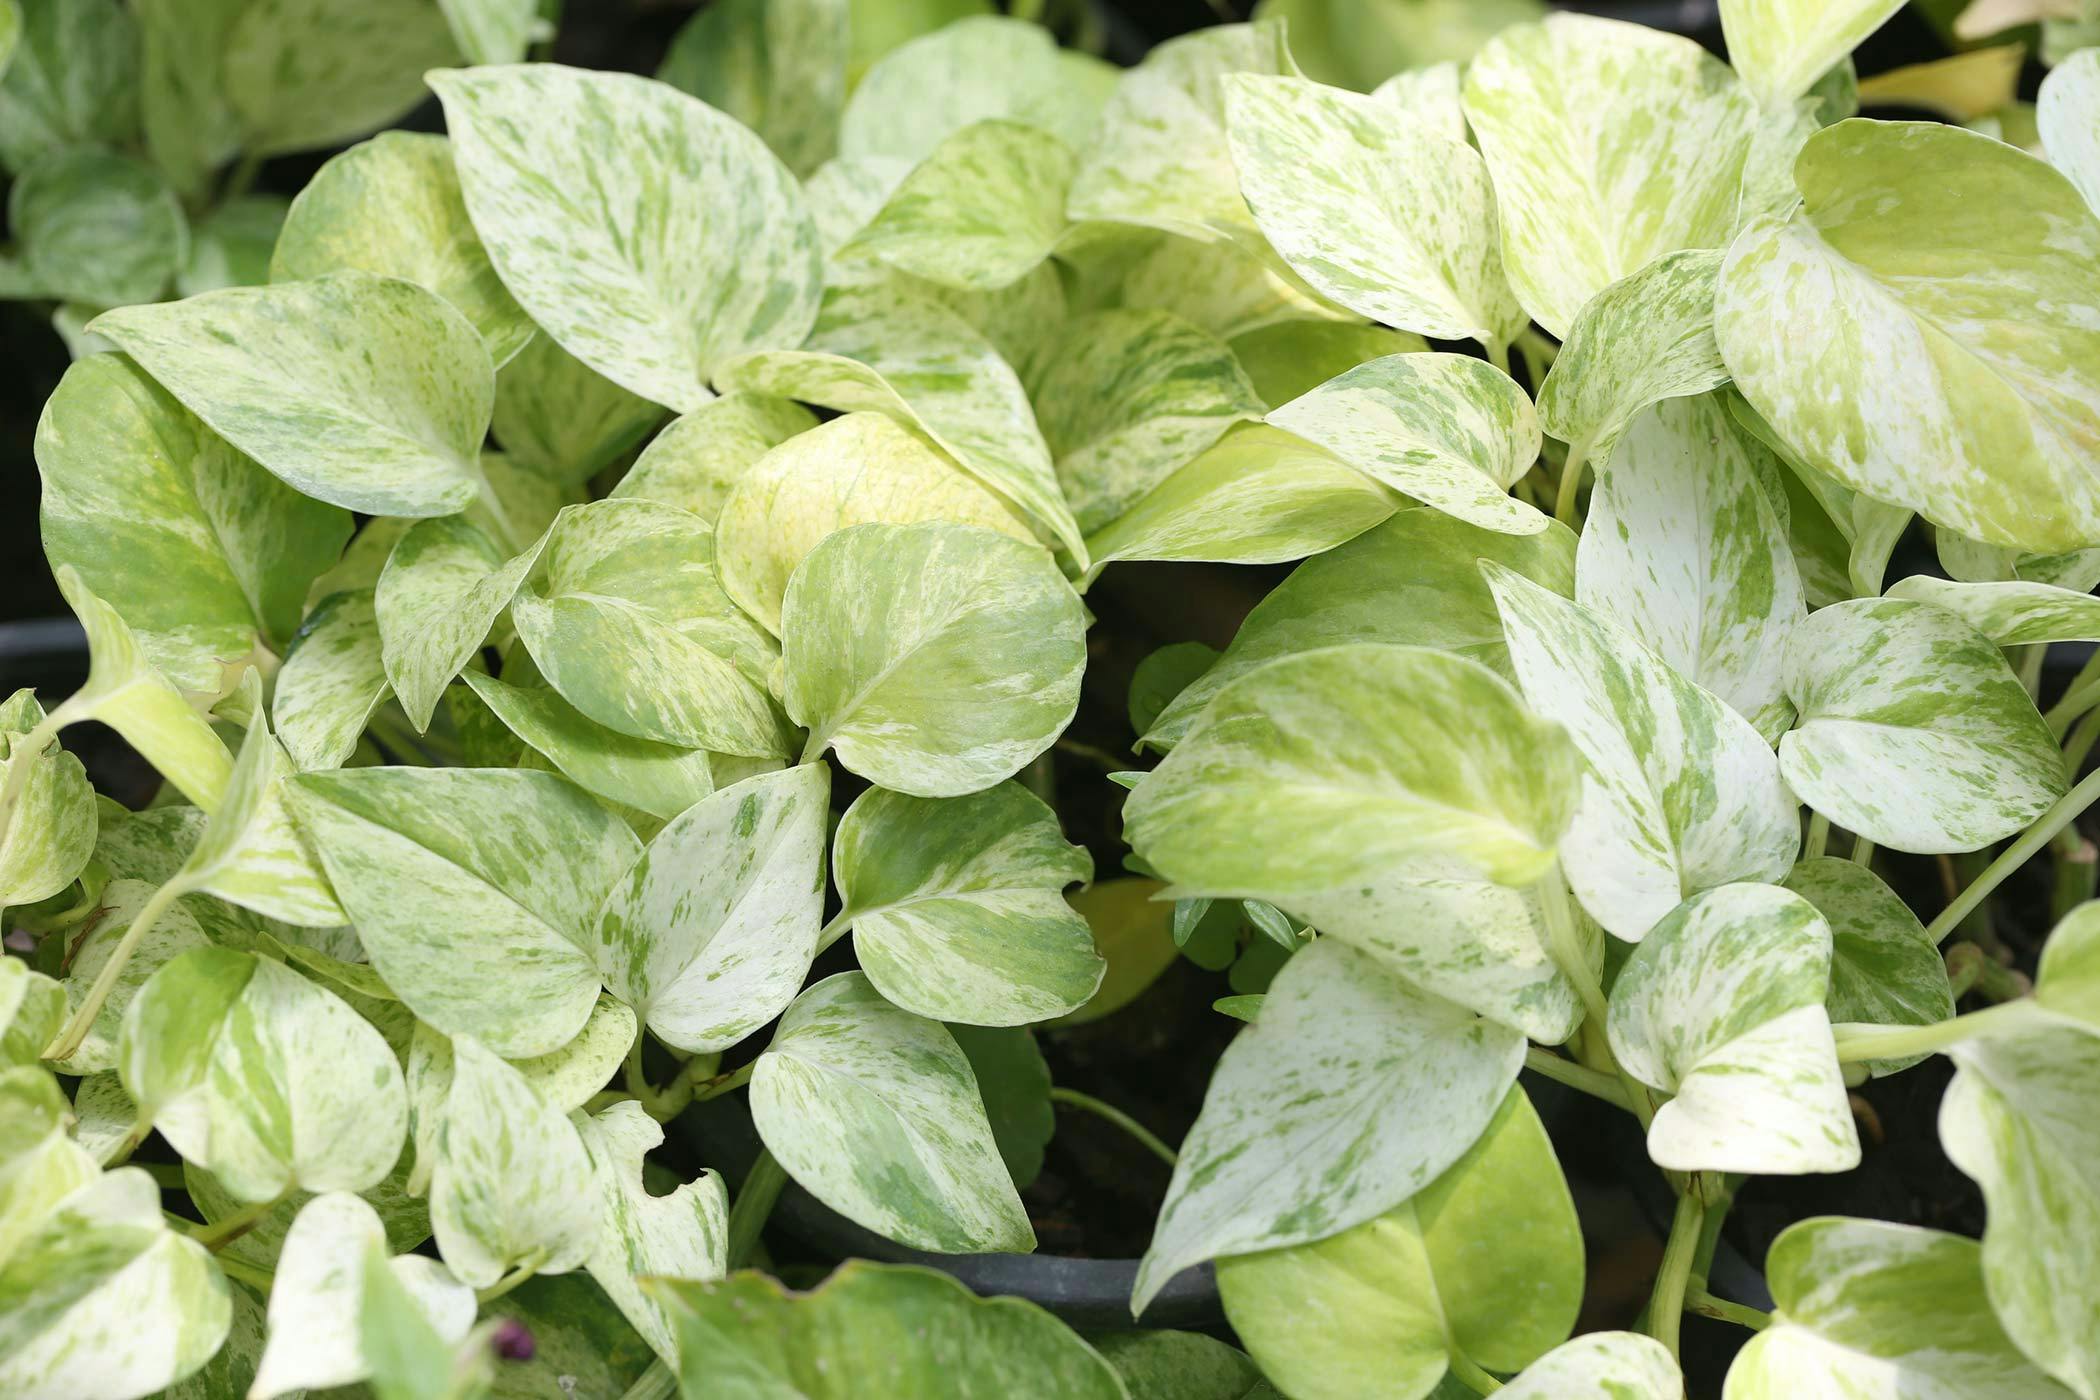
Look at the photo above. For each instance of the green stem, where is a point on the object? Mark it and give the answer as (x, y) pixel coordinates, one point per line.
(83, 1019)
(1666, 1304)
(2017, 854)
(1863, 851)
(1818, 836)
(2074, 705)
(261, 1280)
(243, 177)
(1858, 1041)
(1564, 943)
(753, 1204)
(836, 929)
(512, 1279)
(2081, 741)
(220, 1233)
(2030, 667)
(813, 751)
(722, 1084)
(1699, 1301)
(1562, 1070)
(1571, 482)
(1072, 1098)
(656, 1383)
(1468, 1370)
(140, 1129)
(1498, 355)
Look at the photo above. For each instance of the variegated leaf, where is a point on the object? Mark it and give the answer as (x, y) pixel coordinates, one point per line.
(175, 932)
(660, 780)
(699, 457)
(302, 75)
(1603, 1365)
(39, 1164)
(1430, 96)
(1722, 1007)
(710, 934)
(1781, 47)
(404, 1218)
(32, 1007)
(957, 905)
(1914, 733)
(442, 589)
(2011, 613)
(1292, 358)
(684, 1235)
(2068, 115)
(1884, 968)
(73, 79)
(1868, 529)
(653, 236)
(49, 829)
(96, 227)
(563, 419)
(495, 31)
(875, 1112)
(1681, 793)
(982, 210)
(332, 681)
(976, 69)
(1221, 287)
(777, 66)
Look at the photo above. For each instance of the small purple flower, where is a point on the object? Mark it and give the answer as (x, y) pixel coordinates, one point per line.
(512, 1340)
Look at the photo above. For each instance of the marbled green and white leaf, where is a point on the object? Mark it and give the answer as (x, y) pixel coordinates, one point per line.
(937, 659)
(405, 1218)
(1781, 47)
(1291, 358)
(1721, 1006)
(103, 1114)
(1601, 1366)
(1351, 1093)
(174, 933)
(699, 457)
(495, 31)
(1887, 330)
(96, 227)
(1914, 732)
(777, 66)
(654, 237)
(1449, 430)
(366, 392)
(660, 780)
(73, 80)
(957, 905)
(392, 207)
(442, 589)
(710, 934)
(32, 1007)
(1221, 287)
(1884, 968)
(40, 1165)
(982, 210)
(1681, 793)
(49, 830)
(563, 419)
(684, 1235)
(2068, 115)
(1429, 95)
(476, 892)
(976, 69)
(1375, 210)
(2011, 613)
(304, 75)
(875, 1112)
(332, 681)
(1611, 145)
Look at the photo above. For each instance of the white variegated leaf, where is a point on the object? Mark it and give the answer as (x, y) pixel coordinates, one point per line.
(1884, 968)
(1601, 1366)
(49, 831)
(332, 682)
(684, 1235)
(699, 457)
(979, 68)
(658, 780)
(40, 1165)
(1429, 95)
(2011, 613)
(1781, 47)
(981, 211)
(442, 589)
(2068, 115)
(561, 418)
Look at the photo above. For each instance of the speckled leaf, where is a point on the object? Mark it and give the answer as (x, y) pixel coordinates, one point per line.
(1647, 337)
(2010, 613)
(1868, 1308)
(1373, 209)
(1258, 495)
(305, 75)
(981, 210)
(856, 470)
(72, 81)
(1868, 529)
(103, 1301)
(1413, 581)
(711, 933)
(777, 66)
(1428, 95)
(1449, 430)
(632, 627)
(1291, 358)
(661, 780)
(318, 1295)
(2068, 114)
(877, 1329)
(1684, 549)
(332, 681)
(1378, 1308)
(39, 1164)
(1781, 47)
(97, 227)
(976, 69)
(1722, 1006)
(1125, 397)
(1914, 732)
(495, 31)
(1601, 1366)
(512, 1174)
(1888, 331)
(684, 1235)
(1352, 1092)
(32, 1008)
(699, 457)
(1884, 968)
(875, 1112)
(1611, 144)
(174, 933)
(938, 659)
(442, 589)
(891, 351)
(200, 550)
(50, 830)
(563, 419)
(957, 905)
(1159, 1365)
(577, 1334)
(392, 207)
(231, 1369)
(651, 235)
(103, 1114)
(475, 891)
(367, 392)
(1681, 793)
(1219, 286)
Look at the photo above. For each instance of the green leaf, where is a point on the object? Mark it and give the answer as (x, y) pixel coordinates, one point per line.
(105, 1300)
(97, 227)
(306, 75)
(442, 589)
(1352, 1092)
(1647, 337)
(1180, 1366)
(174, 933)
(777, 66)
(231, 245)
(1619, 1365)
(890, 351)
(103, 1113)
(73, 80)
(51, 832)
(937, 659)
(1611, 144)
(1412, 581)
(332, 681)
(405, 1218)
(317, 1298)
(1887, 330)
(661, 780)
(189, 128)
(392, 207)
(1684, 548)
(2010, 613)
(1014, 1083)
(699, 457)
(32, 1007)
(365, 392)
(40, 1166)
(1721, 1005)
(1164, 676)
(1292, 358)
(982, 210)
(1781, 47)
(877, 1328)
(446, 873)
(684, 1235)
(1449, 430)
(1884, 968)
(2068, 980)
(1221, 287)
(1681, 793)
(1378, 1308)
(1914, 732)
(710, 934)
(2068, 113)
(203, 553)
(856, 470)
(632, 627)
(1869, 1307)
(539, 149)
(1135, 934)
(1125, 398)
(561, 418)
(495, 31)
(1870, 528)
(232, 1369)
(512, 1176)
(957, 905)
(1373, 209)
(976, 69)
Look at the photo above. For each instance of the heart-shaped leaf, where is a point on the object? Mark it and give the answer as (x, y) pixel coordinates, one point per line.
(332, 681)
(699, 457)
(1884, 968)
(73, 80)
(97, 227)
(442, 589)
(2067, 114)
(1782, 46)
(495, 31)
(660, 780)
(43, 1164)
(684, 1235)
(2011, 613)
(51, 830)
(563, 419)
(976, 69)
(304, 75)
(1621, 1365)
(777, 66)
(985, 208)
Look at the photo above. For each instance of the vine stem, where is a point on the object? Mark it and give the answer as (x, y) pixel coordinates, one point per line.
(2067, 810)
(1699, 1301)
(1818, 836)
(512, 1279)
(1469, 1371)
(1666, 1305)
(83, 1018)
(1858, 1041)
(223, 1232)
(1571, 482)
(1560, 1069)
(1564, 946)
(753, 1204)
(836, 929)
(1072, 1098)
(1498, 356)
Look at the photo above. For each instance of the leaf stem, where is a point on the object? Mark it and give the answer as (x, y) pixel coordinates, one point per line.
(1561, 1070)
(83, 1018)
(656, 1383)
(753, 1204)
(1564, 943)
(2017, 854)
(836, 929)
(1818, 836)
(721, 1084)
(1666, 1304)
(1072, 1098)
(1698, 1300)
(1469, 1371)
(2080, 743)
(1564, 504)
(261, 1280)
(1862, 851)
(222, 1232)
(1858, 1041)
(512, 1279)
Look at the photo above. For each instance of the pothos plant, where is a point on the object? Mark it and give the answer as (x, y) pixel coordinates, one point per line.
(503, 778)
